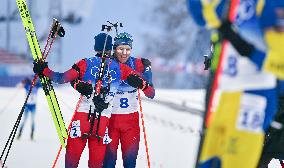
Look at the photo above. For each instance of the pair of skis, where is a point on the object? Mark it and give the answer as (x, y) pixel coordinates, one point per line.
(38, 56)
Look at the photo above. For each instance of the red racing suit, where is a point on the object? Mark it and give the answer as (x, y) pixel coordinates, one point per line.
(124, 121)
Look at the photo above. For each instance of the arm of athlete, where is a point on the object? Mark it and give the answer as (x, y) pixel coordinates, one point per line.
(134, 79)
(144, 65)
(77, 71)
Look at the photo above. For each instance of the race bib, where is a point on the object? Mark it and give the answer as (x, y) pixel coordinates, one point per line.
(240, 73)
(106, 139)
(125, 103)
(252, 113)
(75, 131)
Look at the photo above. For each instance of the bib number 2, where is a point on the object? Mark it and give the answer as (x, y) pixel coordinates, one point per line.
(75, 131)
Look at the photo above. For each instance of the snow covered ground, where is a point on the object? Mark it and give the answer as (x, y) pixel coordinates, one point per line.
(173, 134)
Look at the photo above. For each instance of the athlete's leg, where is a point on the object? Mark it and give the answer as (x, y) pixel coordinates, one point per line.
(23, 121)
(75, 143)
(74, 149)
(111, 149)
(130, 137)
(97, 147)
(33, 121)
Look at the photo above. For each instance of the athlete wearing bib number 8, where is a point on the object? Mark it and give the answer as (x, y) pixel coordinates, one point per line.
(124, 121)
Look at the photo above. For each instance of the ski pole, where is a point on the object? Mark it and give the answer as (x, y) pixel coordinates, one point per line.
(115, 25)
(144, 129)
(69, 127)
(99, 84)
(16, 125)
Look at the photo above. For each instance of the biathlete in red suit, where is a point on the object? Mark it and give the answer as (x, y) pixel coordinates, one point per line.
(124, 121)
(87, 70)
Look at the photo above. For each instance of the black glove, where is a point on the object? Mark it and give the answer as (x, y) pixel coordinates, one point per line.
(39, 66)
(226, 29)
(145, 62)
(82, 87)
(136, 81)
(243, 47)
(99, 103)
